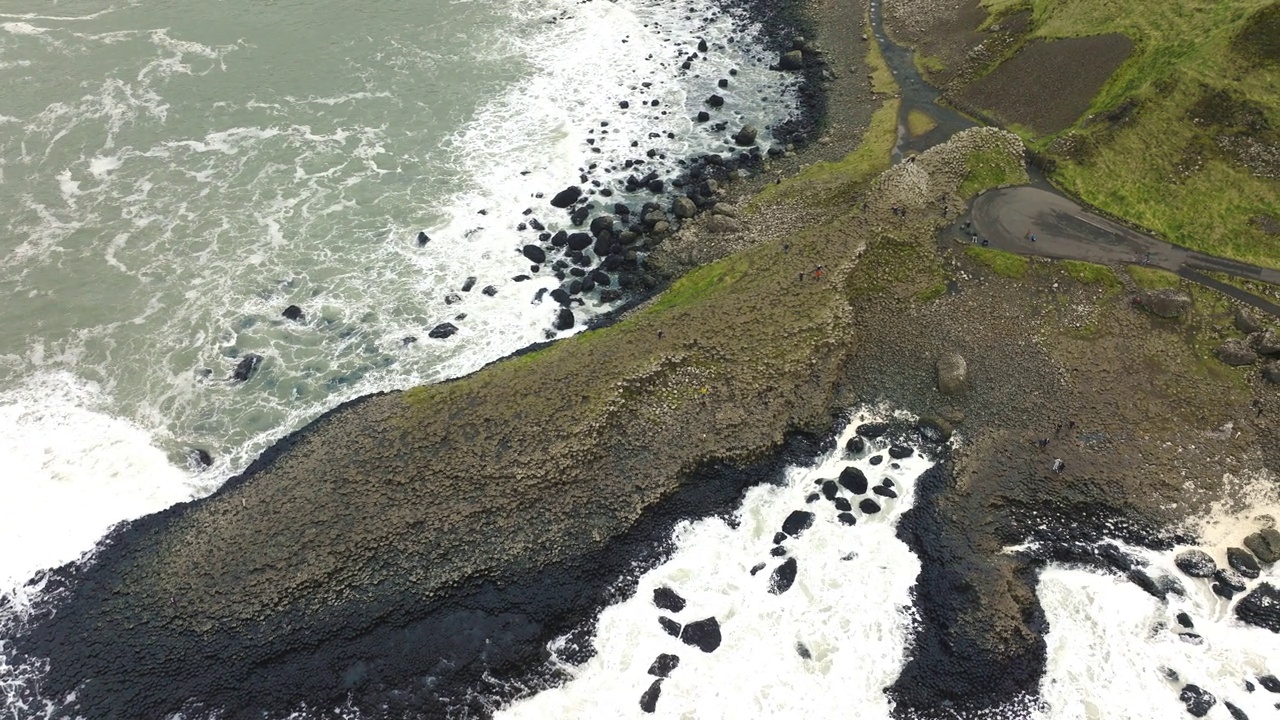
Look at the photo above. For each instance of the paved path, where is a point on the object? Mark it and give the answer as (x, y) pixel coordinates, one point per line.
(1063, 229)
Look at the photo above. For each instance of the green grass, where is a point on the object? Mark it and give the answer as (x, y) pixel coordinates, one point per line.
(933, 292)
(928, 65)
(1004, 264)
(1185, 51)
(1153, 278)
(1087, 273)
(919, 123)
(700, 282)
(881, 77)
(990, 169)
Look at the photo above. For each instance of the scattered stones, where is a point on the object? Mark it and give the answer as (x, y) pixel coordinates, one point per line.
(246, 367)
(442, 331)
(872, 430)
(566, 197)
(534, 253)
(1236, 353)
(953, 374)
(797, 522)
(783, 576)
(704, 634)
(1262, 608)
(854, 480)
(664, 664)
(1167, 302)
(1242, 561)
(1198, 700)
(1195, 563)
(649, 700)
(293, 312)
(1265, 544)
(793, 60)
(668, 599)
(746, 137)
(869, 506)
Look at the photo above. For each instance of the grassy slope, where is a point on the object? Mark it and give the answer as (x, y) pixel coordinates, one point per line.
(1183, 48)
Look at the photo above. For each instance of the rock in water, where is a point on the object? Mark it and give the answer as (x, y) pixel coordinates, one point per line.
(869, 506)
(703, 634)
(872, 429)
(566, 197)
(853, 480)
(1236, 353)
(664, 664)
(1261, 607)
(1195, 563)
(783, 577)
(1197, 700)
(668, 599)
(793, 60)
(1167, 303)
(715, 101)
(1242, 562)
(855, 446)
(564, 319)
(293, 312)
(1236, 713)
(884, 492)
(442, 331)
(246, 367)
(1265, 544)
(746, 137)
(1231, 579)
(847, 518)
(649, 700)
(423, 239)
(1270, 683)
(953, 374)
(669, 626)
(470, 283)
(829, 490)
(898, 452)
(797, 522)
(200, 457)
(534, 253)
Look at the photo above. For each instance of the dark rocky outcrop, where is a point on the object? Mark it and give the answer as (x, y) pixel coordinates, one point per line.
(1198, 700)
(703, 634)
(293, 312)
(664, 664)
(1265, 544)
(668, 599)
(247, 366)
(1261, 607)
(1167, 303)
(649, 700)
(1243, 562)
(566, 197)
(853, 480)
(1236, 353)
(797, 522)
(442, 331)
(564, 319)
(783, 576)
(1195, 563)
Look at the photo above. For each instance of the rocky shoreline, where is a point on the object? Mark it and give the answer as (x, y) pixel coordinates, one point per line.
(368, 558)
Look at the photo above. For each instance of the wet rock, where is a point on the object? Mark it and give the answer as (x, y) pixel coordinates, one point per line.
(470, 283)
(1236, 713)
(199, 457)
(847, 518)
(1236, 353)
(803, 651)
(577, 242)
(1262, 608)
(1198, 700)
(1265, 544)
(293, 312)
(534, 253)
(1222, 591)
(1195, 563)
(842, 504)
(746, 137)
(853, 480)
(664, 664)
(875, 459)
(778, 551)
(1243, 562)
(884, 492)
(452, 298)
(872, 430)
(953, 374)
(779, 538)
(1185, 620)
(566, 197)
(793, 60)
(797, 522)
(668, 599)
(898, 452)
(489, 290)
(756, 568)
(934, 429)
(683, 208)
(704, 634)
(247, 366)
(423, 239)
(869, 506)
(1231, 579)
(669, 626)
(442, 331)
(1270, 683)
(1246, 322)
(1191, 638)
(1167, 303)
(564, 320)
(715, 101)
(855, 446)
(1139, 577)
(649, 700)
(783, 577)
(829, 490)
(722, 225)
(408, 340)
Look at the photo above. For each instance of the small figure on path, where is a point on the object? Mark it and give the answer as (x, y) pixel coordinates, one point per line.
(1058, 466)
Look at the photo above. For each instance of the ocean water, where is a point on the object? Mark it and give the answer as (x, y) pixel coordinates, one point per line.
(174, 174)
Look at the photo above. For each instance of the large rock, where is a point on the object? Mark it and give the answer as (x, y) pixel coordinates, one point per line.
(567, 197)
(1195, 563)
(1246, 322)
(1167, 303)
(534, 253)
(664, 664)
(797, 522)
(1243, 562)
(649, 700)
(746, 137)
(1271, 373)
(564, 319)
(684, 208)
(793, 60)
(1261, 607)
(1265, 544)
(934, 429)
(1266, 342)
(854, 480)
(246, 367)
(442, 331)
(703, 634)
(1236, 353)
(783, 577)
(1198, 700)
(953, 374)
(723, 225)
(668, 599)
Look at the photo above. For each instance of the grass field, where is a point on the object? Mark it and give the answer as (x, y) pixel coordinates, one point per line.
(1185, 137)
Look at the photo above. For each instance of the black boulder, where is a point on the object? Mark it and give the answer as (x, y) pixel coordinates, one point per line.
(293, 312)
(703, 634)
(664, 664)
(853, 480)
(534, 253)
(564, 319)
(797, 522)
(1198, 700)
(246, 367)
(783, 577)
(668, 599)
(442, 331)
(566, 197)
(1262, 608)
(649, 700)
(1243, 562)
